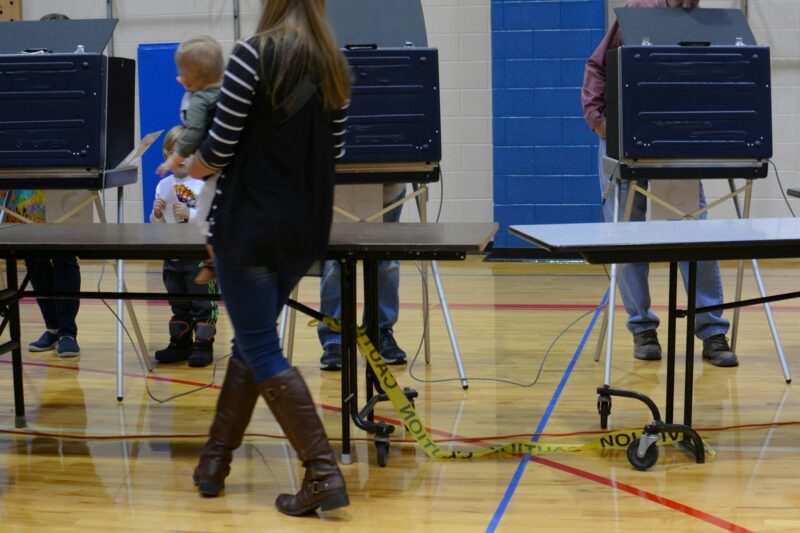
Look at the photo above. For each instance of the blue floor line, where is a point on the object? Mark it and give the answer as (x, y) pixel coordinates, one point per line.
(512, 486)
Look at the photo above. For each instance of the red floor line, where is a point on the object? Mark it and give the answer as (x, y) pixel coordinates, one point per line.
(671, 504)
(113, 373)
(655, 498)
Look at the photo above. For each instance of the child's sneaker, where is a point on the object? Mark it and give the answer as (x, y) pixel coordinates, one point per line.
(45, 343)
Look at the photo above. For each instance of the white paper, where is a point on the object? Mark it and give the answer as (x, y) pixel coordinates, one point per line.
(141, 147)
(683, 194)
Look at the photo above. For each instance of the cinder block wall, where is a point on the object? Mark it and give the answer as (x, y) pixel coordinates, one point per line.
(545, 158)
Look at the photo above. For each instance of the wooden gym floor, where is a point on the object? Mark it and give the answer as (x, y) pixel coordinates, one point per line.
(89, 463)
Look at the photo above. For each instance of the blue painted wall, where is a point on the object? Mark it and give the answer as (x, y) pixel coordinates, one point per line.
(545, 157)
(159, 108)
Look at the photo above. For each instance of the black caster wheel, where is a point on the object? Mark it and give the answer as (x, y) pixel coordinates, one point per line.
(382, 450)
(410, 395)
(604, 409)
(642, 463)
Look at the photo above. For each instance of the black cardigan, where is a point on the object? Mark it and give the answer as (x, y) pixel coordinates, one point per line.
(274, 200)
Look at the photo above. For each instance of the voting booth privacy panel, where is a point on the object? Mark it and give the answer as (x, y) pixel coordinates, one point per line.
(394, 114)
(688, 96)
(394, 109)
(64, 105)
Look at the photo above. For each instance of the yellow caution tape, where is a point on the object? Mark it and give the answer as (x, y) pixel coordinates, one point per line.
(415, 425)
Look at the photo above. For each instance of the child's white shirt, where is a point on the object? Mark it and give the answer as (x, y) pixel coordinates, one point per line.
(173, 189)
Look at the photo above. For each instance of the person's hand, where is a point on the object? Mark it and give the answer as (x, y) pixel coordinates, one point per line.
(158, 207)
(198, 170)
(601, 129)
(169, 165)
(181, 212)
(210, 250)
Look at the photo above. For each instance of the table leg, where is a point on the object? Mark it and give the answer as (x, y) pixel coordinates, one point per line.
(691, 305)
(673, 304)
(349, 392)
(16, 352)
(121, 306)
(371, 318)
(363, 419)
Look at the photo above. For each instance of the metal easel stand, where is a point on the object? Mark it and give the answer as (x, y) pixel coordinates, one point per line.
(787, 375)
(607, 327)
(286, 325)
(606, 330)
(421, 196)
(119, 268)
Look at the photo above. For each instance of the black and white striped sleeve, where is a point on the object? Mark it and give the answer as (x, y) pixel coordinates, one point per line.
(235, 101)
(339, 127)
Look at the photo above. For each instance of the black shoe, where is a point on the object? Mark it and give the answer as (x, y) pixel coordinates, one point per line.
(180, 343)
(717, 350)
(45, 343)
(391, 353)
(331, 357)
(202, 352)
(646, 346)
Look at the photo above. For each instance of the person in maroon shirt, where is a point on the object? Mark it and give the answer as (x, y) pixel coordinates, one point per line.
(633, 284)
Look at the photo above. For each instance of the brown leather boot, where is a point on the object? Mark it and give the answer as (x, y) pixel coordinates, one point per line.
(234, 407)
(323, 485)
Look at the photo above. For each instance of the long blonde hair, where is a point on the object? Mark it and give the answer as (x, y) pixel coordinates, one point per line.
(304, 45)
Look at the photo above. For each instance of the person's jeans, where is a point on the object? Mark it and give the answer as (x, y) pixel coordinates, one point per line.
(632, 277)
(57, 275)
(388, 289)
(253, 297)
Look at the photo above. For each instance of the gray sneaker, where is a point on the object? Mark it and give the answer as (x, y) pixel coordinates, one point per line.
(391, 353)
(646, 346)
(331, 357)
(718, 352)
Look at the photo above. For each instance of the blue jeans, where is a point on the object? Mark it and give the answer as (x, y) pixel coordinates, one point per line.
(388, 289)
(253, 297)
(632, 277)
